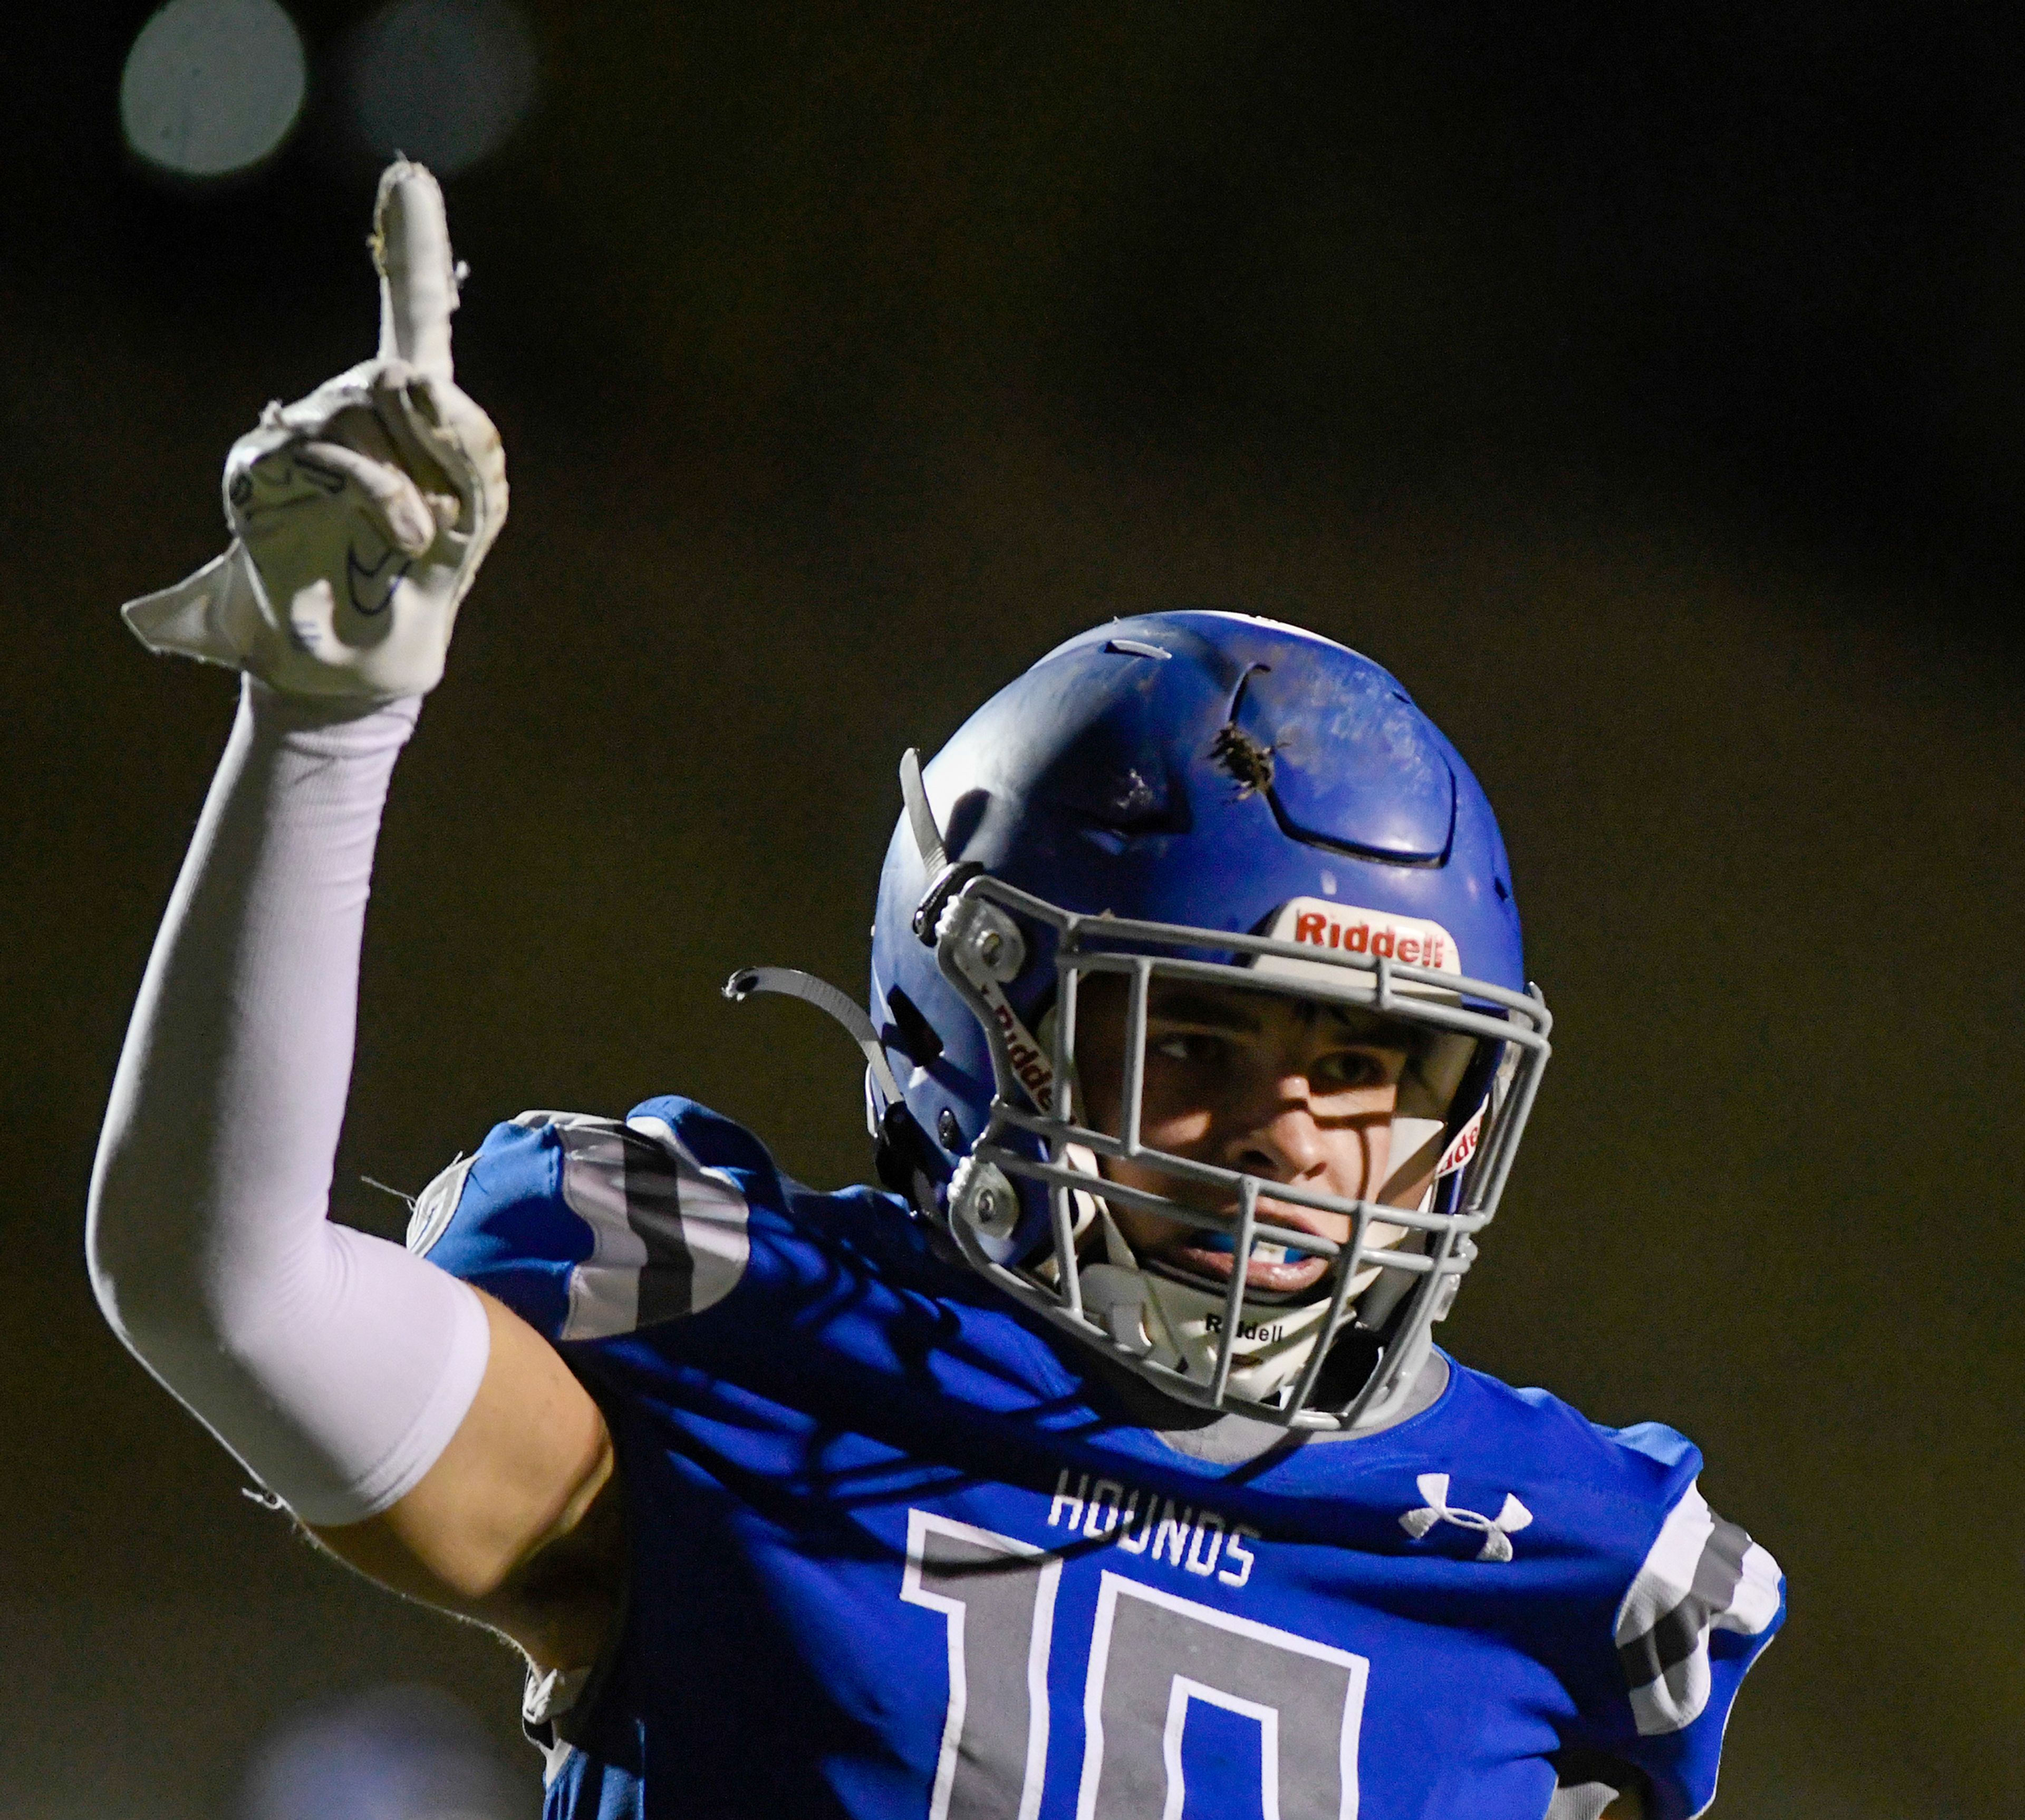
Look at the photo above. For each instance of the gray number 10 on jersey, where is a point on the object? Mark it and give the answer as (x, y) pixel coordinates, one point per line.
(1151, 1655)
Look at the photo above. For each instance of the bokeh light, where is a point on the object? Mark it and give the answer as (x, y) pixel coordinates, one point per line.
(393, 1753)
(443, 81)
(212, 86)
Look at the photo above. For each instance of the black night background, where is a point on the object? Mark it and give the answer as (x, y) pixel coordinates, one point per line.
(1645, 388)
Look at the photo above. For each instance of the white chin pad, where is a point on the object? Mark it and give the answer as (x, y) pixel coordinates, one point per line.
(1180, 1325)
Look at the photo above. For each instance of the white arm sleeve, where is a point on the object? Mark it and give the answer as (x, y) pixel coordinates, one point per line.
(333, 1365)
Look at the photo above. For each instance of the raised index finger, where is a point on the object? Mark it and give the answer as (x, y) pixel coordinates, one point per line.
(418, 278)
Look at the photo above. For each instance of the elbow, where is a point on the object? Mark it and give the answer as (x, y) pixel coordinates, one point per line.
(128, 1254)
(108, 1225)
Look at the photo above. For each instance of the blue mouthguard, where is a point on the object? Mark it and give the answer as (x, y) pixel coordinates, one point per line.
(1226, 1241)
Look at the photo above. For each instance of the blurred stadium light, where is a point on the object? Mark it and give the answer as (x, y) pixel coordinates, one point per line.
(395, 1753)
(444, 81)
(212, 86)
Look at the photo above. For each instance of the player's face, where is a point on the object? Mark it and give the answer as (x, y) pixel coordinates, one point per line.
(1275, 1086)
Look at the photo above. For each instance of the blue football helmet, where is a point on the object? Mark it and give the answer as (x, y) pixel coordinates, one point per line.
(1225, 800)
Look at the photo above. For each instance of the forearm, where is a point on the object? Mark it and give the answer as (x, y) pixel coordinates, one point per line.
(233, 1078)
(335, 1367)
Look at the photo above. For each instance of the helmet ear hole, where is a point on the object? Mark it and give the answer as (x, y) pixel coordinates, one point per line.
(919, 1041)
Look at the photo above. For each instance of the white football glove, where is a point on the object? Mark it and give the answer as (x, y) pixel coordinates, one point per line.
(360, 513)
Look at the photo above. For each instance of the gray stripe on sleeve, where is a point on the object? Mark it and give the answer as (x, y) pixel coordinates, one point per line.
(653, 1210)
(1677, 1635)
(668, 1235)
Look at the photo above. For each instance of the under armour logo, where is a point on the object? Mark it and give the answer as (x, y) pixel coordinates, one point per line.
(1498, 1530)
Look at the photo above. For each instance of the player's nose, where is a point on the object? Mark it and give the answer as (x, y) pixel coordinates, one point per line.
(1282, 1138)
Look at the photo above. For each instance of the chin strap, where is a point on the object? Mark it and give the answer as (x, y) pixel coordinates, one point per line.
(792, 983)
(907, 1160)
(928, 837)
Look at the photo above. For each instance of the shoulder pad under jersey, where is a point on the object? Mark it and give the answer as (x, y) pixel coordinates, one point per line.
(587, 1227)
(1700, 1606)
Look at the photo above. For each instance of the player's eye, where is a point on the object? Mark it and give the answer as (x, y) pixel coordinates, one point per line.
(1354, 1068)
(1195, 1047)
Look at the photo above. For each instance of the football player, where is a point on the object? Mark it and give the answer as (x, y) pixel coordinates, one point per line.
(1101, 1463)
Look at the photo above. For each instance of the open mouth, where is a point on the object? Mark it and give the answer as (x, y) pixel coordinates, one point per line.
(1277, 1271)
(1276, 1268)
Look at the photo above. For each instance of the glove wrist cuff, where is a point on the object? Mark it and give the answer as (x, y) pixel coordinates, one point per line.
(336, 725)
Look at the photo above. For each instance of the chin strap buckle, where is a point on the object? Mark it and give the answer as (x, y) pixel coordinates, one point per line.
(945, 879)
(927, 920)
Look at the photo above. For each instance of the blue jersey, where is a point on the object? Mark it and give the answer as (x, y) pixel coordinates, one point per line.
(895, 1551)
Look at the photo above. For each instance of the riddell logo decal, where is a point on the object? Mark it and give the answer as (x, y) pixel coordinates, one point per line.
(1251, 1333)
(1029, 1063)
(1462, 1147)
(1315, 923)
